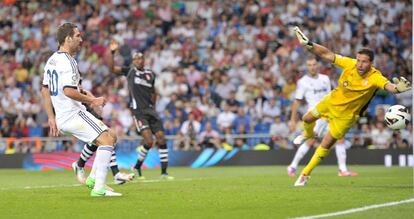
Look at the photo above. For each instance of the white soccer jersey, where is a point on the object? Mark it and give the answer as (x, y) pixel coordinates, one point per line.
(61, 70)
(312, 89)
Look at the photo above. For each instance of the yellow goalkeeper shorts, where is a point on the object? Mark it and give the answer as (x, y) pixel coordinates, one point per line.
(338, 126)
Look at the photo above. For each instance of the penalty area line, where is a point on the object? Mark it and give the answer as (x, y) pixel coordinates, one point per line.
(354, 210)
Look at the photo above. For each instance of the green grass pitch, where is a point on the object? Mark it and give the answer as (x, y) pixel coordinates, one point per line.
(217, 192)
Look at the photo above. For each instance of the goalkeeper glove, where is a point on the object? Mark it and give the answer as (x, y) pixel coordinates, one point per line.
(302, 38)
(401, 84)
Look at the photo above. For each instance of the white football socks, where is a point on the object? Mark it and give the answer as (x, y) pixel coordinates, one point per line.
(340, 150)
(300, 153)
(100, 165)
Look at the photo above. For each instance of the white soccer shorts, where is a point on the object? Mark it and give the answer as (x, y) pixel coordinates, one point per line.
(84, 126)
(321, 128)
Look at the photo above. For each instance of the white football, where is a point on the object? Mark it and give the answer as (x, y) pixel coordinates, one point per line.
(397, 117)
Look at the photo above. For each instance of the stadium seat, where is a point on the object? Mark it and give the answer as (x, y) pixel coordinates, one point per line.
(36, 131)
(262, 128)
(213, 121)
(390, 100)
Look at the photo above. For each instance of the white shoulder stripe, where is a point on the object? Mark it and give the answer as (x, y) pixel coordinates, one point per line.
(72, 63)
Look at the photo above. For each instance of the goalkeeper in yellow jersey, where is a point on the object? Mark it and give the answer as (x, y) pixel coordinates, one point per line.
(343, 106)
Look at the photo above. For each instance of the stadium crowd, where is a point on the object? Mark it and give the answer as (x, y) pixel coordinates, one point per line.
(223, 67)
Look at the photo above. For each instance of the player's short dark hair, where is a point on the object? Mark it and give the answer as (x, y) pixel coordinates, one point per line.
(137, 55)
(65, 30)
(312, 57)
(368, 52)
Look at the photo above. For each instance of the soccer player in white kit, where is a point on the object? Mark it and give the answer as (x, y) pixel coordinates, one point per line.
(311, 88)
(63, 102)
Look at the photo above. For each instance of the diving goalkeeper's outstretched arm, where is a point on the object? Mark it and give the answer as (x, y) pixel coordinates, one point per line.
(322, 52)
(315, 48)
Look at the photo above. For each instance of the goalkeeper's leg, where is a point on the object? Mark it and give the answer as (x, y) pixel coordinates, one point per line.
(321, 152)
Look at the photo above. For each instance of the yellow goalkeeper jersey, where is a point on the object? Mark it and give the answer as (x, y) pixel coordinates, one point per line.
(354, 92)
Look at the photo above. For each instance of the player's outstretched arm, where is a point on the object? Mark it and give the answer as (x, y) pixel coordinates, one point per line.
(113, 47)
(400, 85)
(315, 48)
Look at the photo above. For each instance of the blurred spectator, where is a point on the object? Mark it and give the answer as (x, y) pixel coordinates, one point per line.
(209, 138)
(124, 117)
(187, 136)
(232, 102)
(5, 129)
(253, 110)
(197, 113)
(397, 141)
(279, 132)
(407, 134)
(225, 118)
(381, 136)
(242, 120)
(379, 114)
(367, 136)
(271, 109)
(225, 88)
(241, 144)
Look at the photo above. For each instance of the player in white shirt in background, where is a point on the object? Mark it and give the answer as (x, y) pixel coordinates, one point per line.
(63, 102)
(311, 88)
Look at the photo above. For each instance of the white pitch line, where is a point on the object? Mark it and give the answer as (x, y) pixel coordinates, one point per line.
(77, 185)
(51, 186)
(42, 187)
(163, 180)
(354, 210)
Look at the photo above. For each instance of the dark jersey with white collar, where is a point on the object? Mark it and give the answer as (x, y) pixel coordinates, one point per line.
(141, 87)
